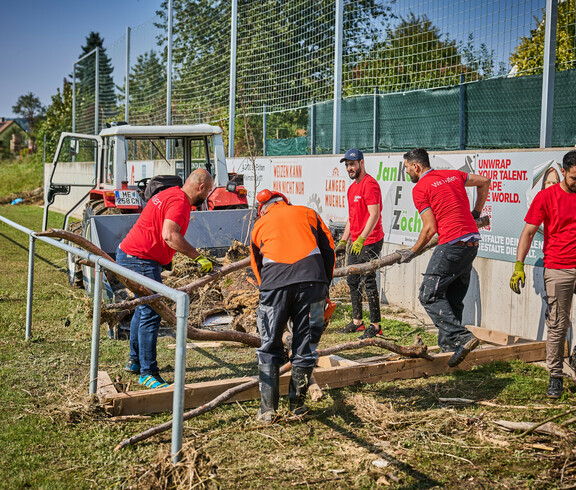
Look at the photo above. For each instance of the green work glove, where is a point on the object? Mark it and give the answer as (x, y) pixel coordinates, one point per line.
(341, 247)
(518, 278)
(357, 245)
(205, 264)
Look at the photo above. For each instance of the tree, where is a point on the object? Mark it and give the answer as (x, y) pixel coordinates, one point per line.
(416, 55)
(86, 85)
(58, 119)
(29, 107)
(528, 57)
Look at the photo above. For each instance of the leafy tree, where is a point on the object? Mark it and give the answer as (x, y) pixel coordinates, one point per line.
(528, 57)
(29, 107)
(416, 55)
(147, 88)
(58, 119)
(86, 85)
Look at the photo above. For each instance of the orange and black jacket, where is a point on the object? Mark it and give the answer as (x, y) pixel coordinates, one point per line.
(291, 244)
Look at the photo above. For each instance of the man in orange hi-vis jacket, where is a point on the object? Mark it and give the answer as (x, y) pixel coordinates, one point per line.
(292, 255)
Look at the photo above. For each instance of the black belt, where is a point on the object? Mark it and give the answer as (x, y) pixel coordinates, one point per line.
(466, 244)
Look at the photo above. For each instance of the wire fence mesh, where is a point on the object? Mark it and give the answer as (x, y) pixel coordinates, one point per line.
(286, 63)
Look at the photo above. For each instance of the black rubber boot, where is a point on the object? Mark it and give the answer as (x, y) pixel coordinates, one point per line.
(299, 382)
(269, 392)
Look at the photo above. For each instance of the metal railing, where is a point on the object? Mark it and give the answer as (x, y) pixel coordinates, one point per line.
(181, 299)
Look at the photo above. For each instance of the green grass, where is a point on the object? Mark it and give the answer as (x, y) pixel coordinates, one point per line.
(54, 436)
(20, 175)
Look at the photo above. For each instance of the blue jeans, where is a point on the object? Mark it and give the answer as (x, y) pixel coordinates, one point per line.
(145, 322)
(304, 303)
(443, 290)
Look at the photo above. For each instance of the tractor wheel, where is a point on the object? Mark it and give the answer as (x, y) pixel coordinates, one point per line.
(73, 268)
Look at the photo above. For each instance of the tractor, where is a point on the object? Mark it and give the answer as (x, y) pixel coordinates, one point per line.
(131, 163)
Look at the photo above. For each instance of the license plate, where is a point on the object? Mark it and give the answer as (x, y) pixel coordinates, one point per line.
(127, 198)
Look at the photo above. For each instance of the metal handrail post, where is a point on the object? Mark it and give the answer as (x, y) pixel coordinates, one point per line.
(31, 252)
(95, 328)
(182, 311)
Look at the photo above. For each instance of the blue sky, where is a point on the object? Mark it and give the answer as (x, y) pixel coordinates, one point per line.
(41, 39)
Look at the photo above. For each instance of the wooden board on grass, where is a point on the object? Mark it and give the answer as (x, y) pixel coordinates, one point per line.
(159, 400)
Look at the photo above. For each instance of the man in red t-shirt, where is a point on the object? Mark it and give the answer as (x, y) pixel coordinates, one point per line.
(151, 243)
(556, 208)
(440, 198)
(364, 228)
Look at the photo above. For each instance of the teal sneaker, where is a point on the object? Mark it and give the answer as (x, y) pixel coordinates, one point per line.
(132, 367)
(152, 381)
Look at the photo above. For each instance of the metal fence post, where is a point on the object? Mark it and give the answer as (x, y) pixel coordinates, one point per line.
(313, 128)
(232, 101)
(169, 77)
(97, 93)
(127, 91)
(182, 311)
(462, 125)
(31, 251)
(73, 101)
(549, 72)
(375, 121)
(337, 76)
(264, 129)
(95, 328)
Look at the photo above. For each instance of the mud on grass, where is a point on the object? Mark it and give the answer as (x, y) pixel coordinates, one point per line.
(395, 434)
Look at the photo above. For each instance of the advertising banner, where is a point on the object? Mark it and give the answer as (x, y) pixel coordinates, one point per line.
(321, 182)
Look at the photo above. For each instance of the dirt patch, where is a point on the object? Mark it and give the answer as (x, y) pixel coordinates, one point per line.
(35, 197)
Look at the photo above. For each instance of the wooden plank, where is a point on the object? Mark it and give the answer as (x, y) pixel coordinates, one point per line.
(491, 336)
(158, 400)
(105, 386)
(332, 361)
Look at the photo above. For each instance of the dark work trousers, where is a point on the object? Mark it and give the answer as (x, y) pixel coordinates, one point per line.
(356, 281)
(443, 290)
(304, 303)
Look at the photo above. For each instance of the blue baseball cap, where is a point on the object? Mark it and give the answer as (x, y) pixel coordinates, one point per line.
(353, 154)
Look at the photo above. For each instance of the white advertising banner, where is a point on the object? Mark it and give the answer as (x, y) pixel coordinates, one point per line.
(321, 182)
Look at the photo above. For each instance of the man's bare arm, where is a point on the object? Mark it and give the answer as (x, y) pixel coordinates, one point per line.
(174, 239)
(374, 214)
(525, 241)
(428, 230)
(483, 187)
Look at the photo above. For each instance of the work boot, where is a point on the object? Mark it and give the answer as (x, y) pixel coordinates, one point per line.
(269, 392)
(555, 388)
(299, 382)
(572, 360)
(462, 351)
(371, 332)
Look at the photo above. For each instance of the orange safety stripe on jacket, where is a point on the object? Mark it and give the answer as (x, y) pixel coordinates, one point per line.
(291, 244)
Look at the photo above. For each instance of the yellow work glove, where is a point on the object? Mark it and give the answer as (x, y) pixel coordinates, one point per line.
(357, 245)
(518, 279)
(204, 263)
(341, 247)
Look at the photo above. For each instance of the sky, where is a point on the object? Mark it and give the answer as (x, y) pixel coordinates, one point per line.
(41, 39)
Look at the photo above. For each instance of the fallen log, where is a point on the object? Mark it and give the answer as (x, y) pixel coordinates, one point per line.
(418, 349)
(157, 304)
(548, 428)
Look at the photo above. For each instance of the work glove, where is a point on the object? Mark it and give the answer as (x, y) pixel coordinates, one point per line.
(406, 255)
(518, 279)
(357, 245)
(475, 214)
(204, 263)
(341, 247)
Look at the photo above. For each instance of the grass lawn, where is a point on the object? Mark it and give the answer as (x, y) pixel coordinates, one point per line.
(395, 434)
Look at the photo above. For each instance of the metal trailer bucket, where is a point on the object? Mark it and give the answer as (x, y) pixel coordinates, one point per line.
(213, 230)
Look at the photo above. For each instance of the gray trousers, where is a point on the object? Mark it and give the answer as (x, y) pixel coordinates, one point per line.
(560, 289)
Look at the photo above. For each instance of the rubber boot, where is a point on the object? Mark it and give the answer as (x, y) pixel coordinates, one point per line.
(269, 392)
(299, 382)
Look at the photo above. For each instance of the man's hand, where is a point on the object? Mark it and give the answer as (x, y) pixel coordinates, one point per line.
(205, 264)
(341, 247)
(475, 214)
(518, 279)
(357, 245)
(406, 255)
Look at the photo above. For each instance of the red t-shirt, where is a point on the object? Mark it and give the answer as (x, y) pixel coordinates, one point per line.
(145, 240)
(360, 196)
(443, 192)
(556, 208)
